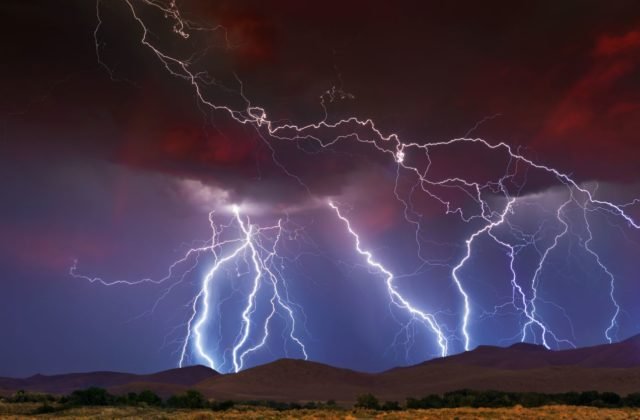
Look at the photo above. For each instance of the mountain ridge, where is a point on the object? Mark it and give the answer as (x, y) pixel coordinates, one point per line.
(520, 367)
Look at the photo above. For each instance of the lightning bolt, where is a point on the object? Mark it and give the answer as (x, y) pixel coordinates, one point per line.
(395, 296)
(494, 222)
(250, 245)
(533, 320)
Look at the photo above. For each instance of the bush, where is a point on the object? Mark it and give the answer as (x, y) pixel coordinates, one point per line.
(190, 399)
(569, 398)
(275, 405)
(130, 399)
(149, 398)
(368, 401)
(588, 397)
(611, 399)
(470, 398)
(632, 400)
(390, 406)
(91, 396)
(432, 401)
(413, 403)
(532, 399)
(460, 398)
(46, 408)
(221, 405)
(493, 399)
(23, 396)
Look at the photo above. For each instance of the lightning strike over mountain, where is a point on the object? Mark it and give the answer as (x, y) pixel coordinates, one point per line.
(251, 246)
(396, 298)
(491, 208)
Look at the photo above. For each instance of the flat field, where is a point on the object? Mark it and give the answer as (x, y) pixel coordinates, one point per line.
(30, 410)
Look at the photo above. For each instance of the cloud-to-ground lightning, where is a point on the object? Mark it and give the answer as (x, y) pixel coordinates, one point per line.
(251, 245)
(495, 202)
(395, 296)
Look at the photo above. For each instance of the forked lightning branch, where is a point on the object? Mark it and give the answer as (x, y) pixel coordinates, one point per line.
(495, 205)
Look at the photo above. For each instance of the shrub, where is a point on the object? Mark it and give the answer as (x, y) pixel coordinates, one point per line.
(588, 397)
(190, 399)
(368, 401)
(632, 400)
(331, 404)
(460, 398)
(221, 405)
(569, 398)
(91, 396)
(413, 403)
(24, 396)
(532, 399)
(390, 406)
(493, 399)
(46, 408)
(611, 399)
(432, 401)
(149, 398)
(466, 398)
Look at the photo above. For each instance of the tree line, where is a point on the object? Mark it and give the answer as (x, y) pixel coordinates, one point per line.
(192, 399)
(94, 396)
(497, 399)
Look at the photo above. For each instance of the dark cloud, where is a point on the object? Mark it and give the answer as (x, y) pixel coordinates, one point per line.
(596, 118)
(563, 78)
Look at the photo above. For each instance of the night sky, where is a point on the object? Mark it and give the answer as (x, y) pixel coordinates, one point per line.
(108, 159)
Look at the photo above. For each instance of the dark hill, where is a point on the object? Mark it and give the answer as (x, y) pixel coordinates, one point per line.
(624, 354)
(290, 380)
(520, 367)
(66, 383)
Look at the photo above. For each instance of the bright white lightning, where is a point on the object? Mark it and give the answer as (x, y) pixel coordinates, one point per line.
(395, 296)
(457, 268)
(261, 258)
(612, 281)
(326, 134)
(531, 313)
(203, 297)
(260, 266)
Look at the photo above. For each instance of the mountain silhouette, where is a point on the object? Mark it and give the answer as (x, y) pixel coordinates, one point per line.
(521, 368)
